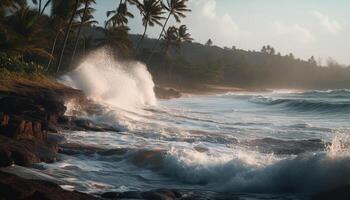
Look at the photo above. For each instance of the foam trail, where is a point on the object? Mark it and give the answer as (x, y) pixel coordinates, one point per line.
(108, 81)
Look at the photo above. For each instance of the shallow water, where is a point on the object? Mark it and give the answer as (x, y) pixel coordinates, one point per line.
(272, 145)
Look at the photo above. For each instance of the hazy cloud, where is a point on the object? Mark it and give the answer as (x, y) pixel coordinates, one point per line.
(331, 25)
(295, 31)
(208, 9)
(207, 22)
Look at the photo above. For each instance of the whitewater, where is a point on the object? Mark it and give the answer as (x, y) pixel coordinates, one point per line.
(251, 145)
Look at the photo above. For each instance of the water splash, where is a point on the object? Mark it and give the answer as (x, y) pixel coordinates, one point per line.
(104, 79)
(339, 146)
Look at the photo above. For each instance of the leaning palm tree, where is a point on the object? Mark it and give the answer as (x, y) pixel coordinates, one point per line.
(74, 10)
(151, 12)
(60, 15)
(86, 18)
(119, 17)
(42, 10)
(175, 8)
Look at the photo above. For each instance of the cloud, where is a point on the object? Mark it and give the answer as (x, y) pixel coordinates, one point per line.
(295, 31)
(331, 25)
(207, 22)
(208, 9)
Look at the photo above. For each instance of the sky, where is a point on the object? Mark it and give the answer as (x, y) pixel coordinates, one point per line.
(319, 28)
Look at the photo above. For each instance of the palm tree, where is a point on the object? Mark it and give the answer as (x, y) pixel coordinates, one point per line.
(87, 11)
(151, 12)
(45, 6)
(184, 36)
(116, 37)
(119, 16)
(60, 14)
(170, 38)
(75, 8)
(175, 8)
(23, 33)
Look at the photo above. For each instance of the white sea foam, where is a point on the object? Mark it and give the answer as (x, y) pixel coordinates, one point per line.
(106, 80)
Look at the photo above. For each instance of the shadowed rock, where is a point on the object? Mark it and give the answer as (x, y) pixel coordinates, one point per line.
(15, 188)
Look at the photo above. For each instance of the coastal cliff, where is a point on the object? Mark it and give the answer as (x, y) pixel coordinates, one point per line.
(28, 111)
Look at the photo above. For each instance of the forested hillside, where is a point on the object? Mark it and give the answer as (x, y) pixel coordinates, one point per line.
(194, 63)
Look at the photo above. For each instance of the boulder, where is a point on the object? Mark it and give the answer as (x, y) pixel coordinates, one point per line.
(26, 152)
(13, 187)
(166, 93)
(159, 194)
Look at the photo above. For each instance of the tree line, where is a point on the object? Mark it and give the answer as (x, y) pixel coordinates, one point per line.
(51, 33)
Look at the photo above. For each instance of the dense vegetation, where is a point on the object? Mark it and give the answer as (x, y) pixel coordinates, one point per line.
(51, 36)
(196, 63)
(53, 33)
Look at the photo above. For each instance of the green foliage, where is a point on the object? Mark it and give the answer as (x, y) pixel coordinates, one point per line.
(13, 64)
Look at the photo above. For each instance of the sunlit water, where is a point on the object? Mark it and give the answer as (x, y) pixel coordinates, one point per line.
(247, 145)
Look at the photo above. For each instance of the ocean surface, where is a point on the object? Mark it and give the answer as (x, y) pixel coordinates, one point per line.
(265, 145)
(246, 145)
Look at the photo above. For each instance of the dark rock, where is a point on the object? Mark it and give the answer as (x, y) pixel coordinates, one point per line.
(29, 110)
(112, 195)
(5, 158)
(340, 193)
(25, 152)
(122, 195)
(87, 125)
(15, 188)
(56, 138)
(4, 119)
(160, 194)
(166, 93)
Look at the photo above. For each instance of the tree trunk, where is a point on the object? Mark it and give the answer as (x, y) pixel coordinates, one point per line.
(140, 41)
(45, 6)
(39, 6)
(160, 35)
(52, 50)
(67, 34)
(79, 30)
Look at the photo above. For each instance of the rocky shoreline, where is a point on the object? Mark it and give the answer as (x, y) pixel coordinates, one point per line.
(31, 118)
(32, 115)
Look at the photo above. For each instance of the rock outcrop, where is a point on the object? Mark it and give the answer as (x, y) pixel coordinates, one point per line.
(28, 111)
(15, 188)
(166, 93)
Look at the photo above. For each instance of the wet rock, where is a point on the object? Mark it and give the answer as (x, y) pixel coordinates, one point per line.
(28, 111)
(166, 93)
(87, 125)
(160, 194)
(5, 158)
(15, 188)
(4, 119)
(340, 193)
(25, 152)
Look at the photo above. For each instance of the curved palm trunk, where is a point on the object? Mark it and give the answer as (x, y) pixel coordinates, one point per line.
(52, 50)
(160, 35)
(40, 6)
(67, 34)
(140, 41)
(45, 6)
(79, 30)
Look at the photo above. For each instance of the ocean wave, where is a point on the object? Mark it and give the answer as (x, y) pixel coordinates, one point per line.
(339, 93)
(285, 147)
(248, 171)
(305, 105)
